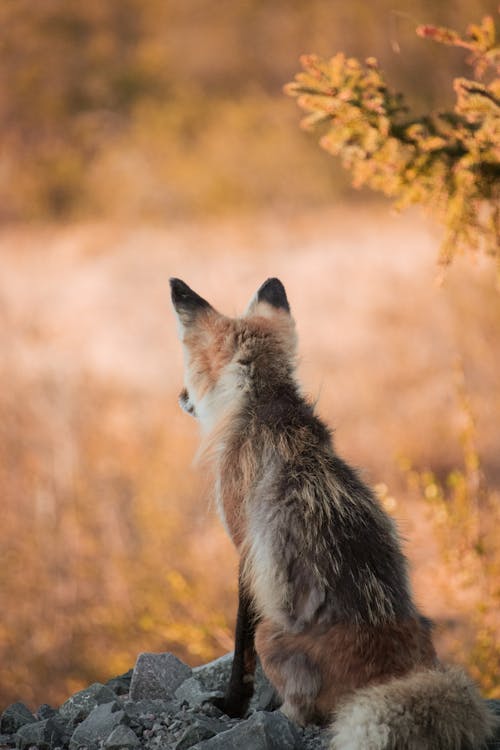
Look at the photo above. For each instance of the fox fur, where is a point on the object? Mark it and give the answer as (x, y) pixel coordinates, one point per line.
(325, 598)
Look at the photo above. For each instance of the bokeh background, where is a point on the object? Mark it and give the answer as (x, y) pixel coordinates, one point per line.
(141, 139)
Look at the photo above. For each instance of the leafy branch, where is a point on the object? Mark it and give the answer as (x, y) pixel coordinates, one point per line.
(448, 161)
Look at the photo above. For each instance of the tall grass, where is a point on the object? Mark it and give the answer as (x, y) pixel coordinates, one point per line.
(465, 513)
(109, 542)
(105, 548)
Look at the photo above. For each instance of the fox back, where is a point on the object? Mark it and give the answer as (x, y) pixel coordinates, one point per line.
(318, 547)
(321, 566)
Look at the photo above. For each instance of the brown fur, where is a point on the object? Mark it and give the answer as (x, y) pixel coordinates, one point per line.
(321, 566)
(211, 346)
(345, 657)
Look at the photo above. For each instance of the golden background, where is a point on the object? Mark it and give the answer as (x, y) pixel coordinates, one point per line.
(142, 139)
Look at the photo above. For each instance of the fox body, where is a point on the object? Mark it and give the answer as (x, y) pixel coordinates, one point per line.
(324, 596)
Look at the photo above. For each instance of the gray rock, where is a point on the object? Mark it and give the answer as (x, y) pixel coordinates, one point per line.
(211, 710)
(45, 712)
(121, 684)
(202, 728)
(137, 711)
(97, 726)
(193, 692)
(157, 676)
(14, 717)
(45, 735)
(265, 697)
(315, 738)
(215, 675)
(79, 705)
(121, 736)
(262, 731)
(193, 734)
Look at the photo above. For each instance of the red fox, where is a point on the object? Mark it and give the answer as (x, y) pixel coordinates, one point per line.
(324, 596)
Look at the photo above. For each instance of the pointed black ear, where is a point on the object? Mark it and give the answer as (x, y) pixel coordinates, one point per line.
(187, 304)
(273, 292)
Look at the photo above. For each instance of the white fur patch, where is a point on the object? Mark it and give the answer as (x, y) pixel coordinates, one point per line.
(220, 505)
(262, 572)
(426, 710)
(226, 395)
(215, 403)
(261, 568)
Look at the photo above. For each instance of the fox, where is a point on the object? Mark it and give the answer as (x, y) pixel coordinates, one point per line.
(324, 598)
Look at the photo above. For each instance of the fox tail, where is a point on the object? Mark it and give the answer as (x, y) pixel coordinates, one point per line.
(435, 709)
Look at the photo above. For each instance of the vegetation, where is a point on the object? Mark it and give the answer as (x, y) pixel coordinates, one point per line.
(157, 109)
(466, 514)
(99, 548)
(448, 160)
(109, 544)
(150, 109)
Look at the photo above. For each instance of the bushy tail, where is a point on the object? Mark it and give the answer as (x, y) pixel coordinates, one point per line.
(425, 710)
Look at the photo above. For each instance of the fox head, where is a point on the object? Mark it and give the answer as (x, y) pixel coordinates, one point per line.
(226, 358)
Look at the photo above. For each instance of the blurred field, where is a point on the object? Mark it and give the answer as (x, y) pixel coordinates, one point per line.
(109, 543)
(141, 139)
(155, 108)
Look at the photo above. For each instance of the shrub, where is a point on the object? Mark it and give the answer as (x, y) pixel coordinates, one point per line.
(465, 512)
(449, 161)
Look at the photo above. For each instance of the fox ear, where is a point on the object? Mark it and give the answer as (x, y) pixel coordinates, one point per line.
(273, 293)
(187, 304)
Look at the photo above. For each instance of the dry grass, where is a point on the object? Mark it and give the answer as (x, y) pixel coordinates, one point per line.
(109, 544)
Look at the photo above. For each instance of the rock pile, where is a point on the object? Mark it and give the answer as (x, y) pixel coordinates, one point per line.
(162, 704)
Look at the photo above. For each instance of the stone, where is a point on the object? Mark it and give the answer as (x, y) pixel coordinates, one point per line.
(195, 728)
(121, 736)
(215, 675)
(265, 697)
(45, 735)
(157, 676)
(213, 711)
(193, 692)
(45, 712)
(138, 711)
(193, 734)
(314, 737)
(79, 705)
(120, 685)
(14, 717)
(97, 726)
(262, 731)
